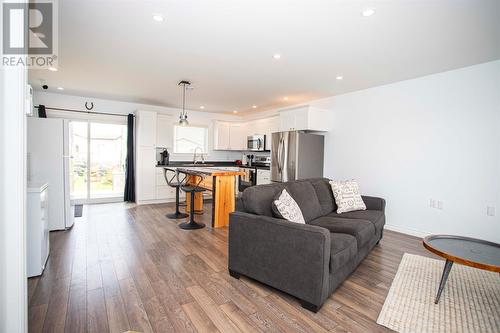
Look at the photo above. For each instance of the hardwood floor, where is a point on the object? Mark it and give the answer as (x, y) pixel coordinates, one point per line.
(130, 268)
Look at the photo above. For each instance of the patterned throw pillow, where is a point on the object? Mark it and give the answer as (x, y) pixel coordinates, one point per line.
(347, 196)
(288, 208)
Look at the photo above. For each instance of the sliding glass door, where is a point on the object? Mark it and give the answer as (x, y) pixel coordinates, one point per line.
(97, 168)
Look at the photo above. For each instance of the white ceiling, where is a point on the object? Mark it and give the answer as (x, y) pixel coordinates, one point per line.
(114, 49)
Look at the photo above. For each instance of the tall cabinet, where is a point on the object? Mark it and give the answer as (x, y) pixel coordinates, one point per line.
(154, 132)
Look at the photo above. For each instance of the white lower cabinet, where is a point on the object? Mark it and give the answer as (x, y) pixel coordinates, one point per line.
(37, 234)
(263, 177)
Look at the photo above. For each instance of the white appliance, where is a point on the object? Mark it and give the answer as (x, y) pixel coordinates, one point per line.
(37, 233)
(48, 162)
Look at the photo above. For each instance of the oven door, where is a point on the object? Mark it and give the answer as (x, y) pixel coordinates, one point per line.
(248, 180)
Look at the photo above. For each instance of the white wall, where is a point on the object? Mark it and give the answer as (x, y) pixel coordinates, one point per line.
(102, 105)
(433, 137)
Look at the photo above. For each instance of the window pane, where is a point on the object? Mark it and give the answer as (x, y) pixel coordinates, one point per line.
(107, 159)
(78, 161)
(187, 138)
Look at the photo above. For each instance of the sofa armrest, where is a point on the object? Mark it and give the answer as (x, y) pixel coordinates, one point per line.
(374, 203)
(289, 256)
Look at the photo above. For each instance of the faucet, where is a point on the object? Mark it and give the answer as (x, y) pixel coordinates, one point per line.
(195, 155)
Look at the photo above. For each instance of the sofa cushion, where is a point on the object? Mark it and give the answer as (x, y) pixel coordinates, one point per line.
(305, 196)
(258, 199)
(347, 196)
(363, 230)
(325, 195)
(285, 207)
(377, 217)
(343, 250)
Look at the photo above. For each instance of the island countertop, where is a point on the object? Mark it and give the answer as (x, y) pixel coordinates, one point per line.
(209, 171)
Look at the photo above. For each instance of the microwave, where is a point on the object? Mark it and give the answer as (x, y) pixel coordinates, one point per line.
(256, 142)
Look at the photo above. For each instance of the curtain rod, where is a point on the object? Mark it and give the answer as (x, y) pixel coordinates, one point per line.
(88, 112)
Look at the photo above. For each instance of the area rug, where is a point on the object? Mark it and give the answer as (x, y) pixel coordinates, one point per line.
(470, 301)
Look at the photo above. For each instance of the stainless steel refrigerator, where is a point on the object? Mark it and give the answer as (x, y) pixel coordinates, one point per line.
(296, 155)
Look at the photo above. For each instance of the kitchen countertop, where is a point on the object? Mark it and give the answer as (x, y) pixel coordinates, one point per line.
(209, 164)
(209, 171)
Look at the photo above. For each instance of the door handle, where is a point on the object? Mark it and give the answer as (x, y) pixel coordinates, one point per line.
(279, 155)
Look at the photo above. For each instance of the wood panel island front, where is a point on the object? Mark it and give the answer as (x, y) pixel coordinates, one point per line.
(222, 183)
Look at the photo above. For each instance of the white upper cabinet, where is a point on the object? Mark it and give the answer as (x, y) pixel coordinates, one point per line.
(233, 135)
(221, 136)
(146, 128)
(303, 118)
(164, 131)
(237, 136)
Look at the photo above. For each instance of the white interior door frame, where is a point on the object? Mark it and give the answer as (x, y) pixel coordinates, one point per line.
(13, 278)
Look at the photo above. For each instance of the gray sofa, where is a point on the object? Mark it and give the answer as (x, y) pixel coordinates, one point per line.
(308, 261)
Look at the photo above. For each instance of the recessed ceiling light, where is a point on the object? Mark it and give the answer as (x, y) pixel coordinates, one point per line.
(158, 17)
(368, 12)
(254, 106)
(235, 111)
(60, 88)
(277, 56)
(339, 77)
(52, 69)
(202, 107)
(285, 98)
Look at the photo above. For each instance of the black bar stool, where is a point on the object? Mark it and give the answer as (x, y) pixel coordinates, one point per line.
(173, 181)
(192, 189)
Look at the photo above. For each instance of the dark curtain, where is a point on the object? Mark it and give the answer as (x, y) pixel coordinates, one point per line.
(129, 163)
(41, 111)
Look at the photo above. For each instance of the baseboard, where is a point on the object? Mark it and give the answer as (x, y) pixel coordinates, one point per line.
(407, 231)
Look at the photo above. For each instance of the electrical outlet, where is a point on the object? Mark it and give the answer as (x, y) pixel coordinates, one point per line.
(490, 211)
(440, 205)
(432, 203)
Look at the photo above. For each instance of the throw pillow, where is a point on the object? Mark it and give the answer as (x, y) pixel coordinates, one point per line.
(286, 207)
(347, 196)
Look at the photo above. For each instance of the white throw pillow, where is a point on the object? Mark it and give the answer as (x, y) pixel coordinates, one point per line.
(347, 196)
(288, 208)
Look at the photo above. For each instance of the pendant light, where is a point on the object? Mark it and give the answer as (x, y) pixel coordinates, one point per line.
(183, 116)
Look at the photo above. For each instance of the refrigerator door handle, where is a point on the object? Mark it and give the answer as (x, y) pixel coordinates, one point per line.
(280, 148)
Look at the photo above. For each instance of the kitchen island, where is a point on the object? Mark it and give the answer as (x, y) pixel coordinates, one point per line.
(222, 184)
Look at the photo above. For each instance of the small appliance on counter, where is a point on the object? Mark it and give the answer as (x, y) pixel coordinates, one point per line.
(164, 158)
(249, 160)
